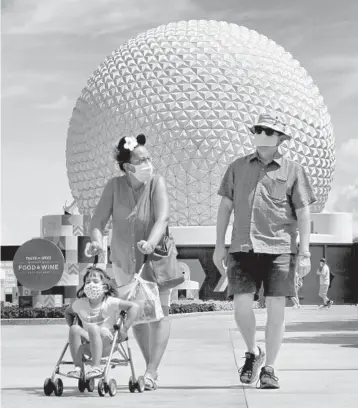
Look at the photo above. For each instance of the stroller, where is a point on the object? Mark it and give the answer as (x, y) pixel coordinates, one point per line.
(105, 384)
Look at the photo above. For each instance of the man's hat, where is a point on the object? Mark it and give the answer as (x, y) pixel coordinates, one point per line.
(322, 260)
(275, 122)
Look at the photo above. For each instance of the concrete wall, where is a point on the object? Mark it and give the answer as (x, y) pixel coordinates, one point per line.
(342, 259)
(331, 237)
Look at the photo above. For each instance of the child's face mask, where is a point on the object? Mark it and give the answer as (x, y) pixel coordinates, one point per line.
(94, 290)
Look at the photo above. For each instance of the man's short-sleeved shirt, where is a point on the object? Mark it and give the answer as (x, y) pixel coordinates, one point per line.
(265, 199)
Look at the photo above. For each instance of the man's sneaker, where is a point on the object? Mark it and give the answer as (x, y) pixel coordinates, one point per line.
(249, 371)
(268, 380)
(330, 303)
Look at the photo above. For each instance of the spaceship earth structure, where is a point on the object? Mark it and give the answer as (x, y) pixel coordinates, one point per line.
(194, 88)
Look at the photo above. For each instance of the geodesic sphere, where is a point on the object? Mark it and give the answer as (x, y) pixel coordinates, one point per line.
(194, 89)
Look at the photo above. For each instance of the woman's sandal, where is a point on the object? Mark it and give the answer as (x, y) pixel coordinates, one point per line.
(76, 373)
(150, 383)
(94, 373)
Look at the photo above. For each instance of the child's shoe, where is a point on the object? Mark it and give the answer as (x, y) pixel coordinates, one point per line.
(76, 373)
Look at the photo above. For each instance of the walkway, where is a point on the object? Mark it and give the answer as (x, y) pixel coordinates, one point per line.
(318, 365)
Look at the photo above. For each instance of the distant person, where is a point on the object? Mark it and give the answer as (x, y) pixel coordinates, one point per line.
(324, 282)
(298, 285)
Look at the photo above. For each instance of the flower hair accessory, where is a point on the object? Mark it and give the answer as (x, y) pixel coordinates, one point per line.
(131, 143)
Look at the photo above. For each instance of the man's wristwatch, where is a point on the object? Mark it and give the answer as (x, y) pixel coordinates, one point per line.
(305, 254)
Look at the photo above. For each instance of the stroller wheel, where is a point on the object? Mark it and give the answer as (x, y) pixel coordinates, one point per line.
(58, 387)
(101, 388)
(140, 384)
(112, 387)
(131, 385)
(90, 385)
(81, 385)
(48, 387)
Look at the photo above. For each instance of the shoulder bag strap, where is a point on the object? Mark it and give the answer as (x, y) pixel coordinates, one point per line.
(151, 196)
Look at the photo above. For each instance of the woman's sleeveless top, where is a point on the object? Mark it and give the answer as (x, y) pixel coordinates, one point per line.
(125, 233)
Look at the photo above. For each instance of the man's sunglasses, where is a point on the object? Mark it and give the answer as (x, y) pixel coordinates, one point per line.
(268, 131)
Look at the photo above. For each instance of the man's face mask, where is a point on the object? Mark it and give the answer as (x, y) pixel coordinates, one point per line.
(143, 171)
(265, 137)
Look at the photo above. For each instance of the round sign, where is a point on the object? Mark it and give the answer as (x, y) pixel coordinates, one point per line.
(38, 264)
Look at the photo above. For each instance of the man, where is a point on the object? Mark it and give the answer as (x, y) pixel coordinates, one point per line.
(324, 282)
(270, 196)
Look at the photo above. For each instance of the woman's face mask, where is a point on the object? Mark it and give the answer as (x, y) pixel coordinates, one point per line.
(94, 290)
(143, 171)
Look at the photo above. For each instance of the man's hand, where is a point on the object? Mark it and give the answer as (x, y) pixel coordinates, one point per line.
(304, 265)
(219, 258)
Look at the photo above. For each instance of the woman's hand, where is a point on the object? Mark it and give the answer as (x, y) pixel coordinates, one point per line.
(145, 247)
(93, 248)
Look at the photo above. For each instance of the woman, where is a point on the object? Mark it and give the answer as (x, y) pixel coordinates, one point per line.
(134, 235)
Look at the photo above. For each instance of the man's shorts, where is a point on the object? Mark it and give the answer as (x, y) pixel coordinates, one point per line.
(246, 271)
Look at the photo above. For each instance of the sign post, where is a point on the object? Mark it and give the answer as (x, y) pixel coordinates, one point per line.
(38, 264)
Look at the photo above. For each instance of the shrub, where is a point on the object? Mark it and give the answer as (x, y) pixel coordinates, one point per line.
(191, 306)
(16, 312)
(177, 307)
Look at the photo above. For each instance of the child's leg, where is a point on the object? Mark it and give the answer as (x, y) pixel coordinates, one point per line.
(75, 336)
(107, 339)
(96, 344)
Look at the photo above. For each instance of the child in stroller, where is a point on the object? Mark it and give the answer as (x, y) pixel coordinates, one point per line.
(98, 310)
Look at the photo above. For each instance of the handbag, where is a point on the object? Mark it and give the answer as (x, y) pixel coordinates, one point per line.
(164, 267)
(146, 295)
(163, 262)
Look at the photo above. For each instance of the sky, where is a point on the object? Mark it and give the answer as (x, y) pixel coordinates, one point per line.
(50, 48)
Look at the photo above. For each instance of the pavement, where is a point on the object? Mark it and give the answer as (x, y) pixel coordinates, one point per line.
(317, 365)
